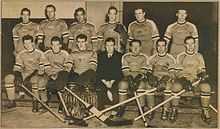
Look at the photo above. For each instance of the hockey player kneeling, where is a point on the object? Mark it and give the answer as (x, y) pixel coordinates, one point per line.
(192, 68)
(134, 66)
(163, 65)
(28, 71)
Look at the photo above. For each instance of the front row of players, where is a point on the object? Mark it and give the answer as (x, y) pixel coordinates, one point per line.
(108, 71)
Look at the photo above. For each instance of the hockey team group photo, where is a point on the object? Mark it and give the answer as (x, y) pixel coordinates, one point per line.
(77, 64)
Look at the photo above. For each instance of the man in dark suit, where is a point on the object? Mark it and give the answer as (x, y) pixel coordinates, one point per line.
(108, 74)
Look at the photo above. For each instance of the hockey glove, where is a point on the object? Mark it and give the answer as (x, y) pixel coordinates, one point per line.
(187, 85)
(18, 78)
(202, 75)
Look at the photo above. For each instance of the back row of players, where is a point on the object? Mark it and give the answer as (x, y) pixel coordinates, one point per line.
(145, 54)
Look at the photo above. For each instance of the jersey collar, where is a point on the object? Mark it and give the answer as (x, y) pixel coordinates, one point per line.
(31, 51)
(189, 53)
(181, 23)
(56, 52)
(142, 21)
(162, 55)
(52, 19)
(26, 23)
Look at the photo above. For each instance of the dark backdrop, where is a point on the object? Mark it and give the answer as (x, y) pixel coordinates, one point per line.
(7, 57)
(202, 14)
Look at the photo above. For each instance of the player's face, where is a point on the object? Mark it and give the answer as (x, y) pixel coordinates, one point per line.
(135, 48)
(80, 17)
(50, 13)
(29, 45)
(161, 48)
(181, 15)
(25, 16)
(190, 46)
(110, 47)
(112, 15)
(140, 15)
(81, 44)
(56, 46)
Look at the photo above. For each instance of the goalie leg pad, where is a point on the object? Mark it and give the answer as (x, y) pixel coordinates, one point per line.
(10, 86)
(177, 87)
(205, 94)
(142, 89)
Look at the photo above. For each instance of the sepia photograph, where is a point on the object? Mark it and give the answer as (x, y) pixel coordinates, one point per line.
(109, 64)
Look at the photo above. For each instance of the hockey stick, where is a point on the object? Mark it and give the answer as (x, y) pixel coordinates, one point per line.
(63, 103)
(140, 109)
(165, 101)
(51, 111)
(213, 108)
(121, 103)
(105, 119)
(69, 117)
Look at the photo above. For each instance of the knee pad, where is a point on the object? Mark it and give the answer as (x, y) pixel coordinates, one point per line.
(205, 87)
(34, 80)
(9, 79)
(142, 85)
(42, 82)
(123, 85)
(177, 87)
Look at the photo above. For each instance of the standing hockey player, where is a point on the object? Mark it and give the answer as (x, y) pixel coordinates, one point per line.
(28, 71)
(192, 67)
(26, 27)
(178, 31)
(52, 27)
(134, 65)
(114, 29)
(163, 67)
(145, 30)
(81, 26)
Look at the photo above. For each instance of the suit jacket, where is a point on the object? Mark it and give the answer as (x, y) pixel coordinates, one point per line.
(109, 68)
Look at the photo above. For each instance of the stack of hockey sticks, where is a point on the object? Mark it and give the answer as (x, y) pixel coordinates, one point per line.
(100, 114)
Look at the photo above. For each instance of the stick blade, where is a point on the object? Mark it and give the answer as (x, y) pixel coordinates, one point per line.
(76, 121)
(118, 122)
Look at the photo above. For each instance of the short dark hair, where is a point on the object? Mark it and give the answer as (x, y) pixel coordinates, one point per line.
(110, 39)
(110, 8)
(140, 8)
(27, 37)
(189, 37)
(79, 10)
(161, 40)
(135, 40)
(177, 11)
(49, 6)
(26, 9)
(56, 38)
(81, 36)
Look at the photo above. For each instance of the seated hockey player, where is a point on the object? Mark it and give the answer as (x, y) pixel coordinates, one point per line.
(28, 71)
(191, 67)
(163, 67)
(134, 65)
(108, 74)
(60, 66)
(83, 73)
